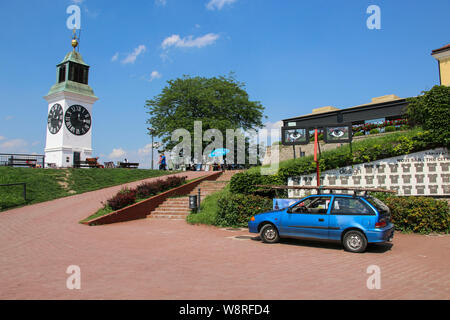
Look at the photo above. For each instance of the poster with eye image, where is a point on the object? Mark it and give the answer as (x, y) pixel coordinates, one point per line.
(338, 134)
(294, 136)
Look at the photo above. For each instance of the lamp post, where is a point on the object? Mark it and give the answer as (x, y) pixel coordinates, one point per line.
(152, 133)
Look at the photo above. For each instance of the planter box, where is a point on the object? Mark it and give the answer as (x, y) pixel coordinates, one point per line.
(142, 209)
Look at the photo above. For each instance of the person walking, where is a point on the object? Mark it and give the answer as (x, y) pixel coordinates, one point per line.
(162, 162)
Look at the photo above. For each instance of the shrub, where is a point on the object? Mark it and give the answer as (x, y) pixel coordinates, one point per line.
(122, 199)
(389, 129)
(235, 210)
(431, 110)
(147, 189)
(404, 146)
(374, 131)
(173, 182)
(246, 182)
(419, 214)
(359, 134)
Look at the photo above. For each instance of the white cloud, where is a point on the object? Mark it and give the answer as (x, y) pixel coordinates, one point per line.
(155, 75)
(117, 153)
(7, 118)
(189, 42)
(145, 150)
(218, 4)
(115, 57)
(131, 58)
(2, 138)
(161, 2)
(14, 145)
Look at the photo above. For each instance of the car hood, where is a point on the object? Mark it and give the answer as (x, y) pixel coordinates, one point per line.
(270, 213)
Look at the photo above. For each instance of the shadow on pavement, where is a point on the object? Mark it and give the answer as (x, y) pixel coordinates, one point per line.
(332, 245)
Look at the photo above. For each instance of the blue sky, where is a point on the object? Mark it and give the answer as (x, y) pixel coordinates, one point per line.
(293, 55)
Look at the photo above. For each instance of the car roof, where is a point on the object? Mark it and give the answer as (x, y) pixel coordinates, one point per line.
(336, 195)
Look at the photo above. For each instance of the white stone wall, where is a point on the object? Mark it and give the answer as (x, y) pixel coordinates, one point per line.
(424, 173)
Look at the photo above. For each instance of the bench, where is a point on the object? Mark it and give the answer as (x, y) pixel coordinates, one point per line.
(128, 165)
(22, 162)
(89, 163)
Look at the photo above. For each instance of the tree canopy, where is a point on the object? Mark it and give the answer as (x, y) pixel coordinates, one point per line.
(219, 102)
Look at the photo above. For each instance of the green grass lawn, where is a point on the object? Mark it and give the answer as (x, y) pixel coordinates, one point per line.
(208, 209)
(48, 184)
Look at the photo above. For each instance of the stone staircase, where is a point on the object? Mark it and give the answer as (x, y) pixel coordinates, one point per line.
(178, 208)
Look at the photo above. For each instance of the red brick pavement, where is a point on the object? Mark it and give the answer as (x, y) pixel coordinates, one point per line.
(164, 259)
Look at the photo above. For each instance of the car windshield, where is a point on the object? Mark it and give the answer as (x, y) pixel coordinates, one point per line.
(378, 204)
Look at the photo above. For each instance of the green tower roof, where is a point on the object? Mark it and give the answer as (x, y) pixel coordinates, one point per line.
(72, 86)
(74, 56)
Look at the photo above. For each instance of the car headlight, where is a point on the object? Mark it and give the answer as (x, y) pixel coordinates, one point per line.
(252, 219)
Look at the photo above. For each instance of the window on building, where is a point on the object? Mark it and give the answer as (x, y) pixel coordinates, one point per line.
(78, 73)
(62, 74)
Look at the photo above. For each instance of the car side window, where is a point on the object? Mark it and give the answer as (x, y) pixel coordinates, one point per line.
(315, 205)
(350, 206)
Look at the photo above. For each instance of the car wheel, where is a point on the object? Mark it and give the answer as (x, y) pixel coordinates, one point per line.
(354, 241)
(269, 234)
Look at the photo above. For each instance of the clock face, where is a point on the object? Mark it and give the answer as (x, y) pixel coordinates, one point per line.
(78, 120)
(55, 119)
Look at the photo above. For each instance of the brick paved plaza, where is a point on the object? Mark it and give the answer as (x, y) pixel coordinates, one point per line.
(164, 259)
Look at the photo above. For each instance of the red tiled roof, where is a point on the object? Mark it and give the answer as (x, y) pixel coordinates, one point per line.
(444, 48)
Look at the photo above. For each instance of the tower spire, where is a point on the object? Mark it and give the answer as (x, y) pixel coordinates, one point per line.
(74, 39)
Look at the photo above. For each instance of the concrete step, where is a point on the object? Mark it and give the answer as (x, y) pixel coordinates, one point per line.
(167, 216)
(172, 209)
(171, 212)
(186, 201)
(178, 208)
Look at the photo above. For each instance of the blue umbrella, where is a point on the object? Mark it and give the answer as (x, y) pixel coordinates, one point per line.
(219, 153)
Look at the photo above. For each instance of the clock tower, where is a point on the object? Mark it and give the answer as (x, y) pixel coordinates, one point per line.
(70, 102)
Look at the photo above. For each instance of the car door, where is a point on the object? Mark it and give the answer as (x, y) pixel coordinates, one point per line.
(307, 219)
(347, 212)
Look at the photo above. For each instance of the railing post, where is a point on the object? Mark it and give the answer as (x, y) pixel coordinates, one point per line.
(199, 200)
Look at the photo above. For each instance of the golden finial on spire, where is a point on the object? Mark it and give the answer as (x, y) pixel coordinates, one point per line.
(74, 39)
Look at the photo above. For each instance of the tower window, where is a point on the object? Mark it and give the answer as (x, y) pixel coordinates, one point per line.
(62, 74)
(78, 73)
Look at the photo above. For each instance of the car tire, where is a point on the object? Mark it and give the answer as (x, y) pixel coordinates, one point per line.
(354, 241)
(269, 234)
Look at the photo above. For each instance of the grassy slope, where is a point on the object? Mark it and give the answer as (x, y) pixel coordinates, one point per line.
(42, 185)
(208, 209)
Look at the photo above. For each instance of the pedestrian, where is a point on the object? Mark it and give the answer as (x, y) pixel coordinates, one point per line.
(163, 162)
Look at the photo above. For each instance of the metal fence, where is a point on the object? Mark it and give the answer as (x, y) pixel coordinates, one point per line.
(22, 160)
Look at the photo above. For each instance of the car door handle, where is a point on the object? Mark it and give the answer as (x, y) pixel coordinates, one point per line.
(321, 220)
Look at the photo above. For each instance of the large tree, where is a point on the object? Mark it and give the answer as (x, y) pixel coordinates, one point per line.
(219, 102)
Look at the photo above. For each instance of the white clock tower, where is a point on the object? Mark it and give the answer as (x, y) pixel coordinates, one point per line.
(70, 102)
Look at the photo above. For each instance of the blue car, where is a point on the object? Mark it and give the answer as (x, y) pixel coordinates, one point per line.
(355, 221)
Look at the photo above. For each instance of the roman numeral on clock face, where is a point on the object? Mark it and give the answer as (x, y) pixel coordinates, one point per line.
(78, 120)
(54, 120)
